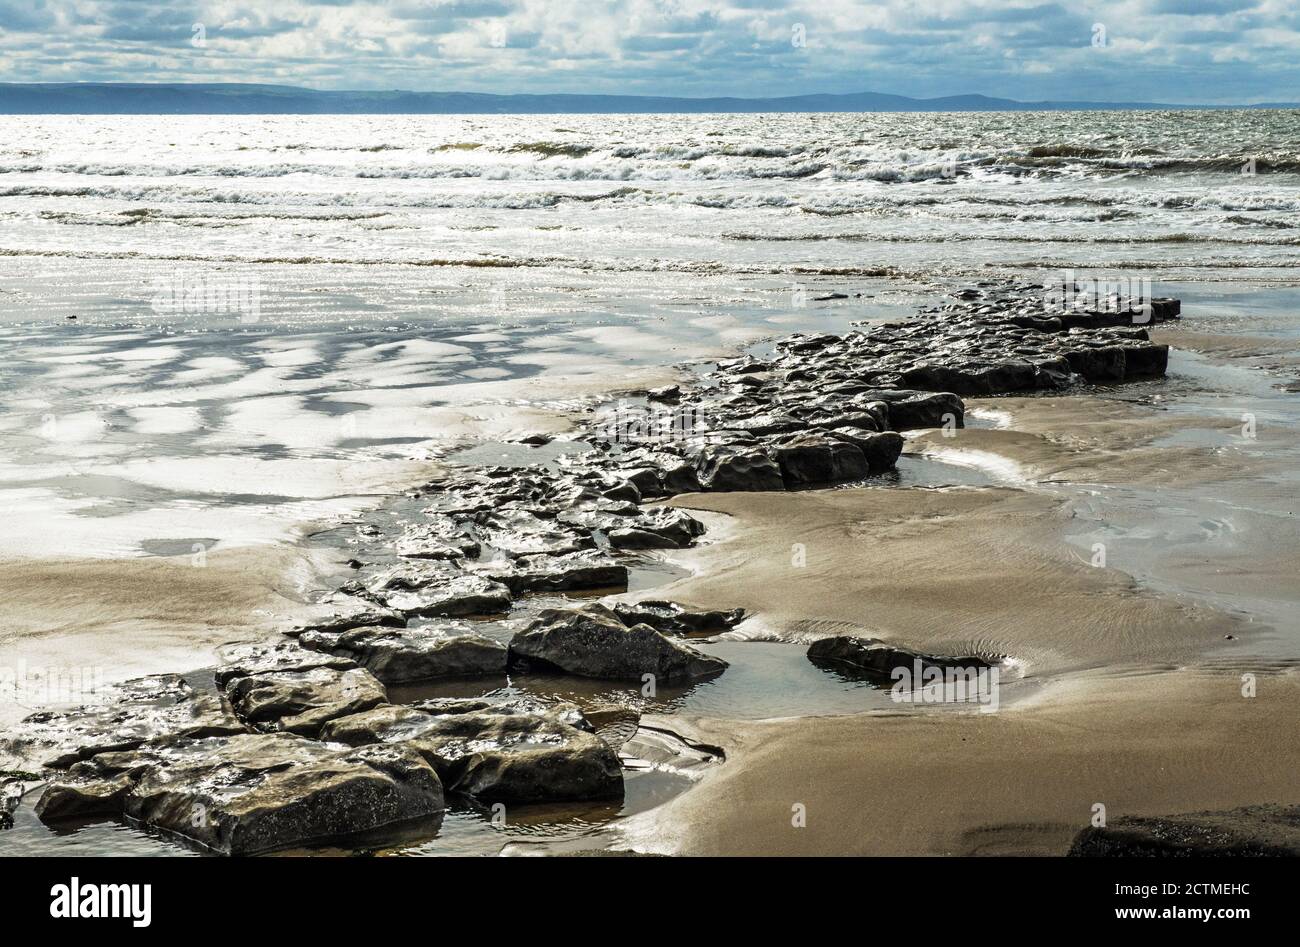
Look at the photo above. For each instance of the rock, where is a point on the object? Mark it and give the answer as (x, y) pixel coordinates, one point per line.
(917, 409)
(655, 748)
(622, 490)
(1267, 830)
(439, 540)
(252, 793)
(877, 659)
(1098, 364)
(671, 618)
(11, 794)
(880, 450)
(763, 425)
(812, 459)
(730, 468)
(427, 591)
(522, 534)
(665, 393)
(660, 528)
(248, 659)
(80, 799)
(594, 642)
(560, 710)
(302, 701)
(349, 612)
(126, 716)
(577, 571)
(405, 655)
(507, 757)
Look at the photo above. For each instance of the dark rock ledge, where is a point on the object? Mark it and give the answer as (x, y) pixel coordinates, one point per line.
(1260, 831)
(297, 742)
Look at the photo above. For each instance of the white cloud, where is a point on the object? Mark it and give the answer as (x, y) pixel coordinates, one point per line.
(1239, 50)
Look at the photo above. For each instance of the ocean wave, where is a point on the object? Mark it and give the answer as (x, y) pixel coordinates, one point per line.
(544, 160)
(584, 264)
(1172, 238)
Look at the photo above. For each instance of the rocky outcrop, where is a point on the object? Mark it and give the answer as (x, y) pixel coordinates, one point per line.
(495, 754)
(296, 741)
(810, 459)
(433, 590)
(1268, 830)
(565, 573)
(251, 793)
(737, 466)
(594, 642)
(302, 701)
(405, 655)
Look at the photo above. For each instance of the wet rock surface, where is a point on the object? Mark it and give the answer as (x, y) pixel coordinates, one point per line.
(250, 793)
(404, 656)
(594, 642)
(497, 753)
(123, 717)
(878, 659)
(1260, 831)
(11, 793)
(671, 618)
(302, 701)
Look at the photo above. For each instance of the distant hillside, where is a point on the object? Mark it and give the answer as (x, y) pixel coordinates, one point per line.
(93, 98)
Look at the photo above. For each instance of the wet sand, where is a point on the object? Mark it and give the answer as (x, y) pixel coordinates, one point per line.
(124, 618)
(1022, 781)
(949, 571)
(1132, 689)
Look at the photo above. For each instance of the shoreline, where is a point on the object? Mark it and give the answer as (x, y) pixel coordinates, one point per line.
(1038, 656)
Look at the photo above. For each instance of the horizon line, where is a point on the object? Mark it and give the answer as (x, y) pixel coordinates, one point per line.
(995, 103)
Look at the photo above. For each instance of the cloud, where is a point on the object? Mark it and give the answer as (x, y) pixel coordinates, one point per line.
(1155, 50)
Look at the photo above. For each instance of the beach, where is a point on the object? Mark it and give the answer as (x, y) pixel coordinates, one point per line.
(237, 370)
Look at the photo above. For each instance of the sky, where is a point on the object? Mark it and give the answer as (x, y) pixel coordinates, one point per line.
(1193, 51)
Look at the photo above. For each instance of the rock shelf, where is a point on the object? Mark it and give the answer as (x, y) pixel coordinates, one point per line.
(297, 741)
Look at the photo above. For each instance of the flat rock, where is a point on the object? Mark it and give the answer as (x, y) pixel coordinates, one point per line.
(881, 450)
(659, 528)
(594, 642)
(508, 757)
(408, 655)
(258, 658)
(348, 611)
(522, 534)
(671, 618)
(441, 539)
(417, 589)
(302, 701)
(128, 715)
(573, 572)
(252, 793)
(560, 710)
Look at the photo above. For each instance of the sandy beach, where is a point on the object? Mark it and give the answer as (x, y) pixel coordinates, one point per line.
(395, 508)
